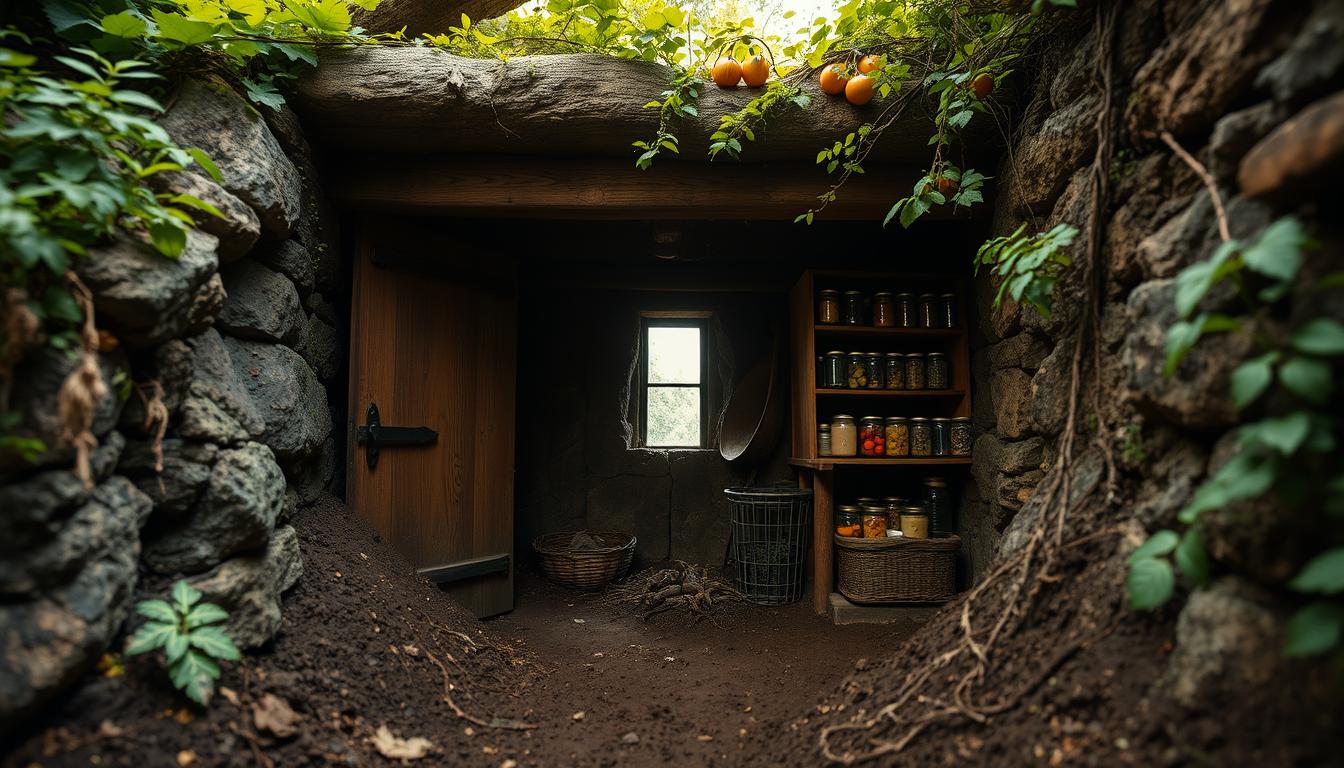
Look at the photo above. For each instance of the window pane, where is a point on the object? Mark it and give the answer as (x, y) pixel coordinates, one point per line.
(674, 416)
(674, 355)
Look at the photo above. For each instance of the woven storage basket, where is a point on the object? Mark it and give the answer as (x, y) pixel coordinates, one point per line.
(585, 568)
(897, 570)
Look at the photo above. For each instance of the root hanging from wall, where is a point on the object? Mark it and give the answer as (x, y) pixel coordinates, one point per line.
(685, 587)
(956, 684)
(83, 389)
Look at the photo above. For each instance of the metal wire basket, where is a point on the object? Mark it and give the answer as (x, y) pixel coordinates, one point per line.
(770, 528)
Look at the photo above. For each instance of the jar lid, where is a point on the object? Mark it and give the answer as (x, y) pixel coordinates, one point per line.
(842, 417)
(848, 509)
(823, 427)
(948, 296)
(896, 419)
(894, 500)
(926, 295)
(937, 482)
(872, 354)
(913, 509)
(966, 419)
(835, 352)
(914, 354)
(874, 509)
(853, 293)
(919, 418)
(856, 354)
(877, 419)
(881, 293)
(895, 354)
(829, 292)
(941, 418)
(865, 499)
(906, 294)
(937, 354)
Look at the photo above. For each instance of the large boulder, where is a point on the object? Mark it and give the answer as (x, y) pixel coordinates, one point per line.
(1052, 154)
(262, 305)
(1050, 390)
(292, 260)
(147, 298)
(36, 387)
(320, 345)
(1228, 642)
(203, 392)
(1010, 389)
(236, 230)
(1313, 61)
(187, 467)
(1197, 395)
(1304, 152)
(313, 476)
(209, 115)
(249, 588)
(1024, 350)
(1236, 133)
(286, 393)
(48, 642)
(235, 514)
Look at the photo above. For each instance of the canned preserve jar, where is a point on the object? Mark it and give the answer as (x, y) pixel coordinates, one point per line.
(914, 371)
(936, 373)
(938, 503)
(898, 436)
(874, 519)
(941, 428)
(851, 311)
(872, 362)
(872, 439)
(844, 436)
(959, 440)
(921, 437)
(823, 439)
(928, 311)
(914, 522)
(884, 310)
(833, 375)
(905, 310)
(894, 370)
(828, 307)
(848, 522)
(947, 310)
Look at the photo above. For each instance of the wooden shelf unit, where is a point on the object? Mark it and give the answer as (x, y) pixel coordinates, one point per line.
(809, 340)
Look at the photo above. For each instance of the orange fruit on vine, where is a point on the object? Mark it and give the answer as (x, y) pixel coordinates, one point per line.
(870, 63)
(726, 72)
(982, 85)
(833, 79)
(756, 71)
(859, 90)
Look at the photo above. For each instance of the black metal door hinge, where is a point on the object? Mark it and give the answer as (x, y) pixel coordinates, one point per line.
(374, 436)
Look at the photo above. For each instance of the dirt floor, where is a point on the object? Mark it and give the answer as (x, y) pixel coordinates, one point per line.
(367, 645)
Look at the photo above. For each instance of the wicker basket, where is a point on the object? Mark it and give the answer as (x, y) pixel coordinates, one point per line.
(897, 570)
(589, 568)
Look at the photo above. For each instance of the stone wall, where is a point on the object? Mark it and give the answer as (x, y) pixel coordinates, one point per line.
(239, 337)
(578, 466)
(1250, 88)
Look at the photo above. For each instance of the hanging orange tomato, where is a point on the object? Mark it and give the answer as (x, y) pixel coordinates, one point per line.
(833, 79)
(859, 90)
(870, 63)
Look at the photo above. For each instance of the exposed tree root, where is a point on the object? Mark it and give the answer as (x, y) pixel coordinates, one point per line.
(690, 588)
(83, 389)
(450, 688)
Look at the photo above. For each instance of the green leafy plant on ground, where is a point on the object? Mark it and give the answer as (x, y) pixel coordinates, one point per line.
(1027, 267)
(1283, 456)
(193, 645)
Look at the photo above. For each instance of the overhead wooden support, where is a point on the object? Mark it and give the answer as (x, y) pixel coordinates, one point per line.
(404, 99)
(604, 188)
(429, 16)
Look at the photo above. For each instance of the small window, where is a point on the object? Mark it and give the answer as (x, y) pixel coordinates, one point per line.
(672, 377)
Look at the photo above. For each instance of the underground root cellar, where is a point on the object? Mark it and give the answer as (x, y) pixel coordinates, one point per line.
(609, 384)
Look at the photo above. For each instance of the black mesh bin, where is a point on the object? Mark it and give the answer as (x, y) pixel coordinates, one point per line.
(770, 528)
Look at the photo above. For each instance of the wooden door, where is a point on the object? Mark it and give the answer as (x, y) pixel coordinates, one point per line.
(434, 346)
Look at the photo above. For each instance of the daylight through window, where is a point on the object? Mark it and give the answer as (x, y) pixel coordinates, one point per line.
(673, 376)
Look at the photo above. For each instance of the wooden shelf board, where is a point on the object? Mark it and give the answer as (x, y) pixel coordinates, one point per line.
(827, 462)
(868, 330)
(893, 392)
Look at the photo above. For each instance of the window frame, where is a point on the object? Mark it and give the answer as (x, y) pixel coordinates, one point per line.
(673, 319)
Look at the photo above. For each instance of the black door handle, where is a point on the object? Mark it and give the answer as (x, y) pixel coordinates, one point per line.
(374, 436)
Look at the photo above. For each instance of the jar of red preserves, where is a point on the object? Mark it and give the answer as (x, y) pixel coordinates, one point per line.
(872, 439)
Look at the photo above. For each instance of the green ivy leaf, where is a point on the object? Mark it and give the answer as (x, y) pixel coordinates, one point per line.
(195, 674)
(1315, 629)
(1307, 378)
(1281, 433)
(124, 24)
(1192, 557)
(157, 610)
(150, 636)
(1157, 545)
(169, 239)
(205, 613)
(185, 596)
(177, 28)
(1251, 378)
(1321, 336)
(1246, 475)
(1324, 574)
(175, 646)
(1150, 583)
(214, 642)
(1277, 252)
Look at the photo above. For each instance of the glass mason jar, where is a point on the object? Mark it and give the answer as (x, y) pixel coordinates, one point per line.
(914, 371)
(872, 438)
(828, 307)
(847, 521)
(959, 440)
(894, 370)
(844, 436)
(905, 310)
(833, 375)
(898, 436)
(823, 439)
(914, 522)
(936, 373)
(872, 362)
(856, 370)
(884, 310)
(921, 436)
(941, 427)
(937, 503)
(874, 518)
(928, 311)
(947, 310)
(851, 311)
(894, 505)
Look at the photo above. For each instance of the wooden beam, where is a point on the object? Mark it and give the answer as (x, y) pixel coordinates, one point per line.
(609, 189)
(419, 17)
